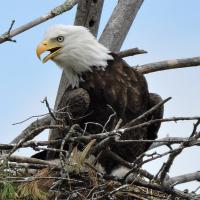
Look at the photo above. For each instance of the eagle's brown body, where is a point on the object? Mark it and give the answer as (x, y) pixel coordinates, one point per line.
(126, 91)
(121, 89)
(118, 89)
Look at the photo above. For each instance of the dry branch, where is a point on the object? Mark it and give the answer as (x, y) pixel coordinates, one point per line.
(67, 5)
(169, 64)
(145, 124)
(182, 179)
(160, 142)
(131, 52)
(168, 164)
(45, 121)
(156, 143)
(22, 159)
(30, 135)
(17, 165)
(172, 140)
(149, 112)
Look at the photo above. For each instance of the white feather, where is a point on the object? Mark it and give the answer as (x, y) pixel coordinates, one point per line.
(120, 171)
(81, 51)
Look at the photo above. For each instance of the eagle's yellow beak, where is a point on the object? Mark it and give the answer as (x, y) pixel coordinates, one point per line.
(48, 45)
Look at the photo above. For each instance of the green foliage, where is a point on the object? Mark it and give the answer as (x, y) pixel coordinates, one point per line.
(7, 191)
(15, 191)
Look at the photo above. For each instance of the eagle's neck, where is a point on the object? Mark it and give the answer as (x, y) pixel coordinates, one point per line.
(81, 58)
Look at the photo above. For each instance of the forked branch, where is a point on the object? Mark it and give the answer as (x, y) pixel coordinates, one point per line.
(67, 5)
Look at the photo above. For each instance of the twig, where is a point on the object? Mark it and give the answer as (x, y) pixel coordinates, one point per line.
(50, 112)
(175, 153)
(22, 159)
(7, 34)
(64, 159)
(118, 124)
(103, 144)
(196, 189)
(27, 119)
(110, 118)
(145, 124)
(157, 187)
(194, 131)
(32, 134)
(32, 144)
(48, 149)
(45, 121)
(93, 123)
(149, 112)
(118, 189)
(161, 188)
(160, 142)
(165, 153)
(171, 140)
(34, 178)
(130, 52)
(67, 5)
(27, 165)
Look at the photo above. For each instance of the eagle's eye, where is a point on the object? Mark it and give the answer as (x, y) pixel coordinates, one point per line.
(60, 38)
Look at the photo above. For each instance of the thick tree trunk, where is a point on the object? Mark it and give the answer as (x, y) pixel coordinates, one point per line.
(119, 23)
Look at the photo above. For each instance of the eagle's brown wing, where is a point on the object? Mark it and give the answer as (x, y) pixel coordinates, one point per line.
(126, 91)
(152, 132)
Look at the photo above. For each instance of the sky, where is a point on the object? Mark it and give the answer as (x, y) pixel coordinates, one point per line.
(167, 29)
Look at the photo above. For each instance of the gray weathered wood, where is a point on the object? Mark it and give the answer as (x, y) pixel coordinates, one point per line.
(89, 14)
(185, 178)
(67, 5)
(119, 23)
(169, 64)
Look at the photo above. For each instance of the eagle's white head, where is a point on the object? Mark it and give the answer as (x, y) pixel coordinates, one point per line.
(74, 49)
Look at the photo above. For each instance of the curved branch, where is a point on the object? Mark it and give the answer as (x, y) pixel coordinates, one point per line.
(30, 135)
(148, 123)
(168, 64)
(45, 121)
(149, 112)
(182, 179)
(172, 140)
(67, 5)
(22, 159)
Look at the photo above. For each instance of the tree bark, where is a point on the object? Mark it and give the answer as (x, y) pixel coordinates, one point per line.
(169, 64)
(119, 23)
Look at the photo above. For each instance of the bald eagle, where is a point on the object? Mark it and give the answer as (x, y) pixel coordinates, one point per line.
(109, 80)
